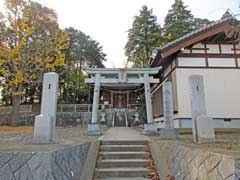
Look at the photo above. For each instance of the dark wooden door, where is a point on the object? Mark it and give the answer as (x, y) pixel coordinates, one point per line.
(123, 99)
(119, 100)
(116, 100)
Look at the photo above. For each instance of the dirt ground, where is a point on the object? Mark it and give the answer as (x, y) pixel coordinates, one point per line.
(227, 140)
(20, 138)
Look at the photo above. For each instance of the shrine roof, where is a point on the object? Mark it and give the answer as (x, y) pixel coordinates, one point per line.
(223, 25)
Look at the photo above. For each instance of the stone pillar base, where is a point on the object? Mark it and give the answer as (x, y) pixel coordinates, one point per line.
(43, 130)
(205, 130)
(150, 128)
(169, 133)
(93, 130)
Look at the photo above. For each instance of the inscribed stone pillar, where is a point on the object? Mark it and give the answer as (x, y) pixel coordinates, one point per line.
(168, 132)
(168, 104)
(202, 126)
(150, 127)
(44, 127)
(94, 128)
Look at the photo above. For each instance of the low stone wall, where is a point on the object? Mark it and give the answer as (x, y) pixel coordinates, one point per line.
(191, 163)
(62, 119)
(73, 118)
(61, 164)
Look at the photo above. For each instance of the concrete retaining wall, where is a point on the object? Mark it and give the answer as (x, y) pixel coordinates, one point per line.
(61, 164)
(187, 123)
(191, 163)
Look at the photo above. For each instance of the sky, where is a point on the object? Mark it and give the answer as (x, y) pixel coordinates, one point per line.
(107, 21)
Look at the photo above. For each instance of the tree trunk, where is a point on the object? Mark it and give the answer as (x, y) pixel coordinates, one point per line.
(15, 109)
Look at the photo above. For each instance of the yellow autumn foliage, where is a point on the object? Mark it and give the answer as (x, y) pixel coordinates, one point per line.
(19, 78)
(29, 44)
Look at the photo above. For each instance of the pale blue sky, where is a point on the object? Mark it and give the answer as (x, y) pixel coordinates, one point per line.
(107, 21)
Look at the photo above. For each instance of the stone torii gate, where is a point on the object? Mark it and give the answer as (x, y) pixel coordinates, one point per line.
(120, 77)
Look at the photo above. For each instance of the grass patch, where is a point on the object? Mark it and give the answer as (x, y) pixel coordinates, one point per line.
(10, 129)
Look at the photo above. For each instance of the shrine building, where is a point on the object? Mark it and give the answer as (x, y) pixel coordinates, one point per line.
(212, 51)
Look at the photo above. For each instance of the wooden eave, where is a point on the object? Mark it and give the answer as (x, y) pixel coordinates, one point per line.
(188, 41)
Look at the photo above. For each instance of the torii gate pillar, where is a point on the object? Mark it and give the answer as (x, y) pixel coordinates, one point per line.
(94, 128)
(150, 127)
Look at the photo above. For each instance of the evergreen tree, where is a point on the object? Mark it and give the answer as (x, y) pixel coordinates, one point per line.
(198, 22)
(178, 21)
(143, 38)
(82, 51)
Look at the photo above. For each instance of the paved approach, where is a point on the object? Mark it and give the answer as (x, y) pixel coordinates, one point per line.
(123, 133)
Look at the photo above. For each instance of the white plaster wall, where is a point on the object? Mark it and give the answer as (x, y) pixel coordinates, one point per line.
(227, 48)
(199, 45)
(238, 62)
(213, 48)
(192, 62)
(221, 62)
(186, 51)
(222, 92)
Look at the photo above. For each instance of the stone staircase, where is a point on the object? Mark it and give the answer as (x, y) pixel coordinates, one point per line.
(122, 160)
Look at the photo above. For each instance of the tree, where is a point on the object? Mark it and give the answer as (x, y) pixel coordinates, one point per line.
(82, 51)
(180, 21)
(143, 38)
(31, 44)
(198, 22)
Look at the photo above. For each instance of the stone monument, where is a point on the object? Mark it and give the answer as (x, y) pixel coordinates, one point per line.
(168, 132)
(202, 126)
(45, 123)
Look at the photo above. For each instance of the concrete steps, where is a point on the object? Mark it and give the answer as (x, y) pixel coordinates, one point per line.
(124, 142)
(125, 178)
(122, 160)
(108, 163)
(124, 155)
(122, 172)
(123, 148)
